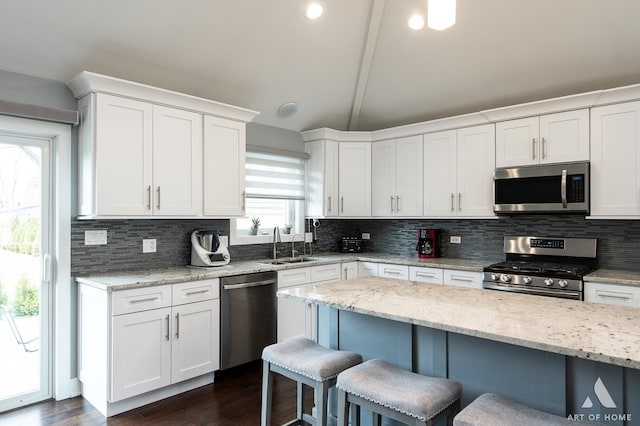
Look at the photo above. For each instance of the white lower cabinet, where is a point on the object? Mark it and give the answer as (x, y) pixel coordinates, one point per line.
(367, 269)
(612, 294)
(133, 342)
(466, 279)
(426, 275)
(349, 270)
(387, 270)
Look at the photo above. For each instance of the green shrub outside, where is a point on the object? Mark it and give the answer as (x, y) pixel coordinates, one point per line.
(27, 302)
(25, 235)
(4, 299)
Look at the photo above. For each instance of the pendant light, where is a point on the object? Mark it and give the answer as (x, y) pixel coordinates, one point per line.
(441, 14)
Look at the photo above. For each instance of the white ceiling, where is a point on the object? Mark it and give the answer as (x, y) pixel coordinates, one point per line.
(259, 54)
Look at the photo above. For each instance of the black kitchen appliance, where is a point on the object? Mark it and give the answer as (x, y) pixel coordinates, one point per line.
(544, 266)
(428, 243)
(351, 245)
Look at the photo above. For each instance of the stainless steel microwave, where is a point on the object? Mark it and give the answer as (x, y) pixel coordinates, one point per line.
(551, 188)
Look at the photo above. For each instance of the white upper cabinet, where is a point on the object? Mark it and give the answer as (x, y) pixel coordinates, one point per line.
(615, 160)
(396, 181)
(138, 159)
(224, 167)
(458, 172)
(177, 162)
(321, 179)
(552, 138)
(355, 179)
(142, 152)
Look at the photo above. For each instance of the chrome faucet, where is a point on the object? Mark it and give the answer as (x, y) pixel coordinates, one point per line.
(293, 244)
(276, 239)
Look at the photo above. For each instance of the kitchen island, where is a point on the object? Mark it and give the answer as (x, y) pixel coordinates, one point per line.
(545, 352)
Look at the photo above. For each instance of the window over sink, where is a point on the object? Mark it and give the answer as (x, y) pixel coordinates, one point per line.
(274, 197)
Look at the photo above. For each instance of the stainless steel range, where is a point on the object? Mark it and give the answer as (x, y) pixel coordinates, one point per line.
(544, 266)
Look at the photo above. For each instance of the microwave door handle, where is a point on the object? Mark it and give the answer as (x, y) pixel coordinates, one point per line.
(563, 189)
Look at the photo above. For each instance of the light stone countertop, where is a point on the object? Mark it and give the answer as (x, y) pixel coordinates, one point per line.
(609, 334)
(143, 278)
(614, 276)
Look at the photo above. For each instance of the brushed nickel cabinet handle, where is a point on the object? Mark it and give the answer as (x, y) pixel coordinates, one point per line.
(329, 203)
(397, 204)
(459, 201)
(392, 204)
(533, 156)
(167, 335)
(149, 197)
(178, 325)
(453, 197)
(158, 190)
(342, 205)
(544, 154)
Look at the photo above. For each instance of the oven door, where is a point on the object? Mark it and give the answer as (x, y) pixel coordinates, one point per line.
(538, 291)
(542, 189)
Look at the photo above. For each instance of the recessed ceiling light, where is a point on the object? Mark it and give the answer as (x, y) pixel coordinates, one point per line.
(287, 109)
(441, 14)
(314, 11)
(416, 22)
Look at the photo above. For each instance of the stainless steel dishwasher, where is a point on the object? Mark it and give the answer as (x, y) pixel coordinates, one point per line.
(249, 315)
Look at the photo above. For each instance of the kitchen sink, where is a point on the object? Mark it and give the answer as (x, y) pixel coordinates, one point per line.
(289, 260)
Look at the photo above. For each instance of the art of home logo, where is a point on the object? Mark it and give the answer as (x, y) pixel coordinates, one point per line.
(603, 397)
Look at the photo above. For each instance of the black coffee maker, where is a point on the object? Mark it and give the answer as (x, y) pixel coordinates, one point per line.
(428, 243)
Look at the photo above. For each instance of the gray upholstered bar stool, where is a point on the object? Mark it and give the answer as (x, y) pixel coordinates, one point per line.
(307, 363)
(398, 394)
(490, 409)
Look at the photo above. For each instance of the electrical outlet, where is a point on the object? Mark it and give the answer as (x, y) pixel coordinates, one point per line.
(455, 239)
(308, 237)
(149, 245)
(95, 238)
(366, 236)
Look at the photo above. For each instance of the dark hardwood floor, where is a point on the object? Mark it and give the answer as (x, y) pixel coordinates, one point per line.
(234, 399)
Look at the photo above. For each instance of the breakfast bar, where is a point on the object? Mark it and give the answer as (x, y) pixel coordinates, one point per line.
(565, 357)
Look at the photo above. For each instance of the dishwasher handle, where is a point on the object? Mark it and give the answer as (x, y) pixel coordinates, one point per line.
(248, 285)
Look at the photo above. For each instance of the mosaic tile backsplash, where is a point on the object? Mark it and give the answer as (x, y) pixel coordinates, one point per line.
(618, 241)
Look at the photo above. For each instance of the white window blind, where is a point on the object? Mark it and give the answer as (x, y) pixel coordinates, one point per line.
(274, 176)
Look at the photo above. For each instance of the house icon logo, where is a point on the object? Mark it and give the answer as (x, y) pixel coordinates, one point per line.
(602, 394)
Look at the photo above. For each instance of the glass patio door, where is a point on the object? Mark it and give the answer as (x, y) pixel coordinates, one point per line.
(25, 270)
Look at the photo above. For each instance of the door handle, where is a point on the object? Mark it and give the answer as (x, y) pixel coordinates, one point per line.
(46, 268)
(247, 285)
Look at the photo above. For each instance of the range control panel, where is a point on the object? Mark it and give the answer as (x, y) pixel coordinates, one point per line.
(546, 243)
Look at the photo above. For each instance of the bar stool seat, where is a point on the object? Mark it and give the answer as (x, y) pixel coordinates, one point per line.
(398, 394)
(490, 409)
(307, 363)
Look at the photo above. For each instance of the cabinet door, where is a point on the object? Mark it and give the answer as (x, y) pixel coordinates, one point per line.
(140, 353)
(517, 142)
(196, 339)
(123, 161)
(462, 278)
(367, 269)
(224, 162)
(383, 178)
(615, 160)
(331, 182)
(177, 162)
(355, 179)
(475, 167)
(349, 270)
(294, 277)
(399, 272)
(325, 273)
(612, 294)
(409, 179)
(564, 137)
(425, 275)
(314, 177)
(292, 318)
(440, 174)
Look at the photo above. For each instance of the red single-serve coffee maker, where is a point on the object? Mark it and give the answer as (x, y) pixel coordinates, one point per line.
(428, 243)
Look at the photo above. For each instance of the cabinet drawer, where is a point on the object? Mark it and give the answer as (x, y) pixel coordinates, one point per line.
(292, 277)
(400, 272)
(140, 299)
(325, 273)
(195, 291)
(367, 269)
(612, 294)
(426, 275)
(462, 278)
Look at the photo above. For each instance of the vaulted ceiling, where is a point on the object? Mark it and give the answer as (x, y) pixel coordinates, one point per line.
(358, 67)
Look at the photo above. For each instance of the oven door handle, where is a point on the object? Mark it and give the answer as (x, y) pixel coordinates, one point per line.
(535, 291)
(563, 189)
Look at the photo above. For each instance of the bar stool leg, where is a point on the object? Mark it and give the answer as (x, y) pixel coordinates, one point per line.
(267, 384)
(376, 419)
(322, 395)
(355, 415)
(300, 400)
(343, 409)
